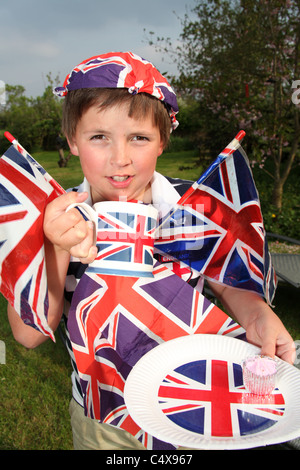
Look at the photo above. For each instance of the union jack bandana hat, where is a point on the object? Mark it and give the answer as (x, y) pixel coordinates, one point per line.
(122, 70)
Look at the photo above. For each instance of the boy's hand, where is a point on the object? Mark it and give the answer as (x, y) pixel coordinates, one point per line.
(267, 330)
(262, 325)
(68, 230)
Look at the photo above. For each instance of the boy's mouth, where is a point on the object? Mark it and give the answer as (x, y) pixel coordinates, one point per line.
(120, 178)
(120, 181)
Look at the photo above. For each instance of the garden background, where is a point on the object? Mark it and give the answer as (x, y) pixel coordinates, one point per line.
(238, 68)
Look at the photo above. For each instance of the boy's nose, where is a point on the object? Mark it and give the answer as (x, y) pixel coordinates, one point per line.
(120, 155)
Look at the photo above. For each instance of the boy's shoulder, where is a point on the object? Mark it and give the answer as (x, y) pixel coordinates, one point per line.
(179, 184)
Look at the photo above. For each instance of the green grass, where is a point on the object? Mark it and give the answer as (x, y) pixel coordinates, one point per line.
(35, 385)
(69, 176)
(35, 390)
(179, 165)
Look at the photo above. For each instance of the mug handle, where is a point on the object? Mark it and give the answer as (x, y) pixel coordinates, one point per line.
(85, 210)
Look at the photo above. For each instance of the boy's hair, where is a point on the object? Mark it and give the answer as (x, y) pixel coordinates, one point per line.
(140, 106)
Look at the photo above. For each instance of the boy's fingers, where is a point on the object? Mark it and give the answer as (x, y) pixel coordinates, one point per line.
(58, 222)
(289, 355)
(61, 203)
(73, 197)
(86, 250)
(282, 346)
(68, 229)
(268, 348)
(74, 235)
(65, 225)
(89, 258)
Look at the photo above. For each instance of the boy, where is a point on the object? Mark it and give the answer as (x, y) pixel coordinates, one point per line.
(118, 114)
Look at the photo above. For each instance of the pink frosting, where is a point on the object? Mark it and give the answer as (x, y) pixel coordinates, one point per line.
(261, 366)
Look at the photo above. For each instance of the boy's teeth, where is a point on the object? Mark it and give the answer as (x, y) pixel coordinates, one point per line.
(119, 178)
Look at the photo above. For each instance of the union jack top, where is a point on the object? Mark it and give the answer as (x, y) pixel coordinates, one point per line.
(129, 328)
(165, 193)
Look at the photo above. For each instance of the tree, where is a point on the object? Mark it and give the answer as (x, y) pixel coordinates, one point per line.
(279, 67)
(239, 60)
(35, 122)
(18, 115)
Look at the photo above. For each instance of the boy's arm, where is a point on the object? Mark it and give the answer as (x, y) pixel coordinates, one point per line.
(262, 325)
(57, 262)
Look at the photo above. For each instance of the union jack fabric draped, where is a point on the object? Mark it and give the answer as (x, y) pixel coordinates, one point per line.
(208, 397)
(115, 320)
(24, 193)
(122, 70)
(217, 228)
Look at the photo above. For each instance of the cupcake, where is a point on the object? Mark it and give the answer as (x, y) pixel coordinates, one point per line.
(259, 374)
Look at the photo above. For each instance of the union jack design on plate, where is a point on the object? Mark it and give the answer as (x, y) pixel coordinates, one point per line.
(208, 397)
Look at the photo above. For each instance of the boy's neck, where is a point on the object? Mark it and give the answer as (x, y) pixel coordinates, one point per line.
(147, 197)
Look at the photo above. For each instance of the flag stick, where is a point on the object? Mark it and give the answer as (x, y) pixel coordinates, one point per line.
(31, 160)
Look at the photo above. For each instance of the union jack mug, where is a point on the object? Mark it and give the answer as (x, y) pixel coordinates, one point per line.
(125, 234)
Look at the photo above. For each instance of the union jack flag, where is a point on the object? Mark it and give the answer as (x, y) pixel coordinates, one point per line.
(218, 229)
(115, 320)
(125, 241)
(208, 397)
(24, 193)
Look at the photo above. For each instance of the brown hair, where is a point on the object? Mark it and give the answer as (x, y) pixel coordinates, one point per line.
(141, 105)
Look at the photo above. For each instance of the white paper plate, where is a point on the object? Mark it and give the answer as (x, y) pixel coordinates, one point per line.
(194, 407)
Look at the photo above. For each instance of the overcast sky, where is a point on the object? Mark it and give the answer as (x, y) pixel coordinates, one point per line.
(42, 36)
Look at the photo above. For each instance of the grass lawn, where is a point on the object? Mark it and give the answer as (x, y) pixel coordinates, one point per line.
(35, 390)
(35, 385)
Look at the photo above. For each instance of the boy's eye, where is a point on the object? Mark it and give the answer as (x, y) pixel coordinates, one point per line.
(140, 138)
(97, 137)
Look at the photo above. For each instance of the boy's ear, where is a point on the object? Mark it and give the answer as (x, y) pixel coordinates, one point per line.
(161, 148)
(73, 147)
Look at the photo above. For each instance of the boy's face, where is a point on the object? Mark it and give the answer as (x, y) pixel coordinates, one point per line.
(118, 154)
